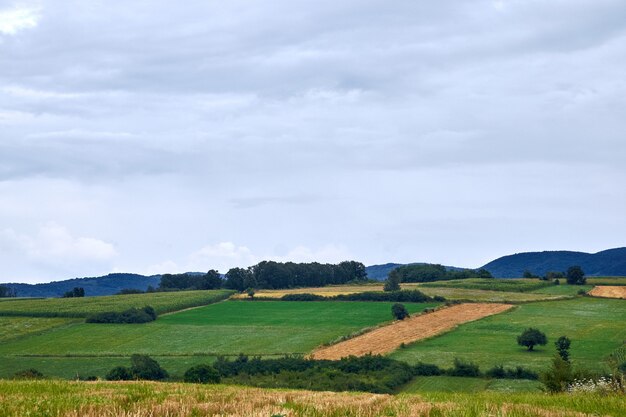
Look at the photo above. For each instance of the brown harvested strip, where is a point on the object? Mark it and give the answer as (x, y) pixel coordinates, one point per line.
(608, 291)
(388, 338)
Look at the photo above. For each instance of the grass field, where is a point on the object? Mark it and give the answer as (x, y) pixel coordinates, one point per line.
(595, 326)
(17, 327)
(80, 307)
(563, 290)
(146, 399)
(459, 384)
(232, 327)
(606, 280)
(508, 285)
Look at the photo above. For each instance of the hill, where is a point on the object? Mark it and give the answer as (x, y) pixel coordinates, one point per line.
(106, 285)
(611, 262)
(380, 272)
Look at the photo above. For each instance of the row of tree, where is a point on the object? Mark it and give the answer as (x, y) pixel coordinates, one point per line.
(574, 275)
(433, 272)
(7, 292)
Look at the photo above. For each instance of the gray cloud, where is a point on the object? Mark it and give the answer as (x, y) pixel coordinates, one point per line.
(447, 131)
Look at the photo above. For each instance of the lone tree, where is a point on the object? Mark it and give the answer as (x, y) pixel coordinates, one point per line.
(575, 276)
(531, 337)
(562, 347)
(399, 311)
(392, 283)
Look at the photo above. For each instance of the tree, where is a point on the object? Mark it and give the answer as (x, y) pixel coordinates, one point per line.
(119, 373)
(250, 292)
(236, 278)
(575, 275)
(531, 337)
(399, 311)
(144, 367)
(562, 347)
(203, 374)
(210, 281)
(558, 376)
(75, 292)
(392, 283)
(6, 291)
(528, 274)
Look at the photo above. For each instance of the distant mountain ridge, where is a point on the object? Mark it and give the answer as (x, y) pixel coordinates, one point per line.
(611, 262)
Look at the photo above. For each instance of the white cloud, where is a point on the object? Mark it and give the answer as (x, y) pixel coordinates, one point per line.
(221, 256)
(17, 19)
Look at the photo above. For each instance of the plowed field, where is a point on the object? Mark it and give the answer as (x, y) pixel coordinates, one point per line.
(608, 291)
(388, 338)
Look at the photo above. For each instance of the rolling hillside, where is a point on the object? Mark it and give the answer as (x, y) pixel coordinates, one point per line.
(611, 262)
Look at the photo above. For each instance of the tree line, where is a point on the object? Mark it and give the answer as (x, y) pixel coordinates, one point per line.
(433, 272)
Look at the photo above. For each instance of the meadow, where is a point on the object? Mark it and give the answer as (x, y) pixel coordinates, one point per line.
(490, 284)
(265, 328)
(17, 327)
(595, 326)
(162, 302)
(148, 399)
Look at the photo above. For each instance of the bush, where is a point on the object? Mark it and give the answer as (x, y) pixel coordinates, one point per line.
(119, 373)
(507, 373)
(132, 315)
(302, 297)
(402, 296)
(203, 374)
(399, 311)
(28, 374)
(575, 276)
(424, 369)
(464, 369)
(144, 367)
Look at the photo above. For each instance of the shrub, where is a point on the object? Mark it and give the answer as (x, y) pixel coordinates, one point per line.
(302, 297)
(132, 315)
(392, 283)
(28, 374)
(424, 369)
(144, 367)
(399, 311)
(464, 369)
(119, 373)
(531, 337)
(575, 276)
(508, 373)
(203, 374)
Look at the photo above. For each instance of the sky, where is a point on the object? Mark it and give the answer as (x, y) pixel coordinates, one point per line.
(159, 136)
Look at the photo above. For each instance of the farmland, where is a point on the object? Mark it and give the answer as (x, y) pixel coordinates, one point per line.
(162, 302)
(595, 326)
(508, 285)
(144, 399)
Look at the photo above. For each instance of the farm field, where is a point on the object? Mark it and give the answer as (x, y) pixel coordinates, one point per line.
(162, 302)
(227, 328)
(606, 280)
(609, 291)
(595, 326)
(562, 290)
(388, 338)
(147, 399)
(508, 285)
(16, 327)
(461, 384)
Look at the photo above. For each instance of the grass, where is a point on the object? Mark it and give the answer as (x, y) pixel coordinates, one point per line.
(485, 296)
(595, 326)
(460, 384)
(143, 399)
(162, 302)
(254, 328)
(490, 284)
(17, 327)
(606, 280)
(563, 289)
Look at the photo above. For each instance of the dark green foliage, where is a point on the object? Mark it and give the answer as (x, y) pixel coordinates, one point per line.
(75, 292)
(392, 283)
(562, 347)
(403, 296)
(203, 374)
(531, 337)
(511, 373)
(575, 276)
(528, 274)
(126, 291)
(238, 279)
(558, 376)
(302, 297)
(132, 315)
(552, 275)
(28, 374)
(399, 311)
(424, 369)
(209, 281)
(250, 292)
(119, 373)
(7, 291)
(434, 272)
(144, 367)
(464, 369)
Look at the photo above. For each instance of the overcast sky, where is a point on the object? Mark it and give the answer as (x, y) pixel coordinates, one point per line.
(161, 136)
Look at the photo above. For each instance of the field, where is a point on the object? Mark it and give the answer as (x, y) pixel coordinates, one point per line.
(460, 384)
(162, 302)
(16, 327)
(388, 338)
(609, 291)
(595, 326)
(146, 399)
(227, 328)
(508, 285)
(606, 280)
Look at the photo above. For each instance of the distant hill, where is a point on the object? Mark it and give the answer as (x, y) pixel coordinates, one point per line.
(380, 272)
(610, 262)
(106, 285)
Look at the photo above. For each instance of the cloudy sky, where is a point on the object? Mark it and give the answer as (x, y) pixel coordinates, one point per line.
(160, 136)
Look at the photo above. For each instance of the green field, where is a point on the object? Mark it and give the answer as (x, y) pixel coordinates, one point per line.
(162, 302)
(606, 280)
(459, 384)
(491, 284)
(563, 290)
(595, 326)
(149, 399)
(17, 327)
(228, 328)
(465, 294)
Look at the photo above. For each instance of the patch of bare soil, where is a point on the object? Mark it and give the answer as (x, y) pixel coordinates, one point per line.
(608, 291)
(388, 338)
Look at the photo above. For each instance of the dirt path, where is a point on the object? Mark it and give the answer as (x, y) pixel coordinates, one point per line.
(388, 338)
(608, 291)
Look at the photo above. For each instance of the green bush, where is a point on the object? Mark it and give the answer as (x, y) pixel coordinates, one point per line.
(28, 374)
(144, 367)
(132, 315)
(399, 311)
(203, 374)
(464, 369)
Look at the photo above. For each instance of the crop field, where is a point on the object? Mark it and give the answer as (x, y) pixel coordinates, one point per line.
(606, 280)
(609, 291)
(148, 399)
(162, 302)
(490, 284)
(16, 327)
(388, 338)
(595, 326)
(461, 384)
(227, 328)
